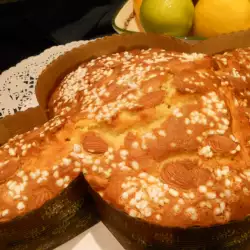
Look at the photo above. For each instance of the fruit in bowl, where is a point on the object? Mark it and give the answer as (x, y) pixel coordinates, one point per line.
(172, 17)
(200, 18)
(215, 17)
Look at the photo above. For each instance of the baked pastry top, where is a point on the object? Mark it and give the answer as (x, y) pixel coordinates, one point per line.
(163, 136)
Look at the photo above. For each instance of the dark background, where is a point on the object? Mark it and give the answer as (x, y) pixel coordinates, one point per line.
(27, 27)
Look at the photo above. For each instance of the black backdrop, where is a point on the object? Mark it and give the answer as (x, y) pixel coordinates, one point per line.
(27, 27)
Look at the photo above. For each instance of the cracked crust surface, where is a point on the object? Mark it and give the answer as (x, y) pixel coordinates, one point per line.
(164, 136)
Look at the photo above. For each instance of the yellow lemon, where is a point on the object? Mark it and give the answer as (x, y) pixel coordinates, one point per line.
(172, 17)
(214, 17)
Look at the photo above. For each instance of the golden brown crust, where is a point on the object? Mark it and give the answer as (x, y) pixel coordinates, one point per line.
(162, 135)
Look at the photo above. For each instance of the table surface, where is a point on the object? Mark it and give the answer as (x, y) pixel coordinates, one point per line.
(96, 238)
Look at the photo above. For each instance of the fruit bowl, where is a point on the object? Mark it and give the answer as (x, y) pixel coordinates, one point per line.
(124, 21)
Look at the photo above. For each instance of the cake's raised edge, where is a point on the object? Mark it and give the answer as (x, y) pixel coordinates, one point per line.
(32, 229)
(139, 234)
(55, 72)
(20, 122)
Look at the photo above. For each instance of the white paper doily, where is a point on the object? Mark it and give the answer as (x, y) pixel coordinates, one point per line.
(17, 89)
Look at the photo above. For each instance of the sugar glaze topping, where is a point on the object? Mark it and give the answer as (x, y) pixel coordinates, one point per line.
(162, 135)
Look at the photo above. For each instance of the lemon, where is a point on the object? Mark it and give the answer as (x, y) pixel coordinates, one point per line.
(172, 17)
(214, 17)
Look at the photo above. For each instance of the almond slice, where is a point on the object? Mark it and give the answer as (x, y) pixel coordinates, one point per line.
(221, 144)
(178, 175)
(152, 99)
(94, 144)
(185, 174)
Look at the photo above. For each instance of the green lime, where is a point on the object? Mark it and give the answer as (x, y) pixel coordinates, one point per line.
(172, 17)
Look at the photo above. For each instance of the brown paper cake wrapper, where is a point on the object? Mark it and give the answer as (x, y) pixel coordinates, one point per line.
(135, 234)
